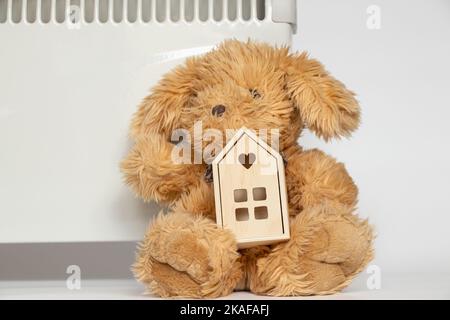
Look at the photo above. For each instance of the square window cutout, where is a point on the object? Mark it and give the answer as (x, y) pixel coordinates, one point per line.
(240, 195)
(242, 214)
(259, 194)
(261, 213)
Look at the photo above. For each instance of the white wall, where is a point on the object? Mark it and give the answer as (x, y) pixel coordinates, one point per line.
(400, 156)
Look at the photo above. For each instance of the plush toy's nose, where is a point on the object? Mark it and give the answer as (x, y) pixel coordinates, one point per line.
(218, 110)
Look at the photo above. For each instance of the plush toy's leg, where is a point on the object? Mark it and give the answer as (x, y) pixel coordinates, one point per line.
(328, 247)
(188, 256)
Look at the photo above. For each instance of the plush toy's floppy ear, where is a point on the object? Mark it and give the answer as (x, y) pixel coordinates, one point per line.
(160, 111)
(325, 105)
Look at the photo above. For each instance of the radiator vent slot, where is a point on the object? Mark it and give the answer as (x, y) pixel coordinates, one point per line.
(130, 11)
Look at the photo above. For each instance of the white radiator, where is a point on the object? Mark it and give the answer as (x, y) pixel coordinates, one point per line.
(71, 74)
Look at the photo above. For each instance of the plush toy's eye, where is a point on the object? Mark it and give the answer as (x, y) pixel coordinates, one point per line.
(179, 137)
(255, 94)
(218, 110)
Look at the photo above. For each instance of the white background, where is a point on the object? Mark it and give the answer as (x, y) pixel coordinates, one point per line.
(399, 157)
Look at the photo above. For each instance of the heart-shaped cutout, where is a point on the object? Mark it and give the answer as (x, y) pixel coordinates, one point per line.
(247, 159)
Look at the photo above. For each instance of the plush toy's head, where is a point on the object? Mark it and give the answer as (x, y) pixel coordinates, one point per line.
(253, 85)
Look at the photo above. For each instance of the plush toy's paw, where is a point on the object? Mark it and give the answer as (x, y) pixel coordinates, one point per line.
(153, 174)
(328, 247)
(186, 255)
(341, 239)
(184, 252)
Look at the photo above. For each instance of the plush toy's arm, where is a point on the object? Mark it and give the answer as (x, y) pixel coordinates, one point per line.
(312, 178)
(154, 174)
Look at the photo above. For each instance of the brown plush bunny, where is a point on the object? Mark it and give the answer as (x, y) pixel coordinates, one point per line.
(254, 85)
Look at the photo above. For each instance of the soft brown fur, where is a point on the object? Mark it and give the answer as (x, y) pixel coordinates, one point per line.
(184, 253)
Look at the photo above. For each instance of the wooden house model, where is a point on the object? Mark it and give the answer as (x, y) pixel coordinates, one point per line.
(250, 191)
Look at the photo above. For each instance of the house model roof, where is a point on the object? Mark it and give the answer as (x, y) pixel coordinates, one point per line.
(239, 135)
